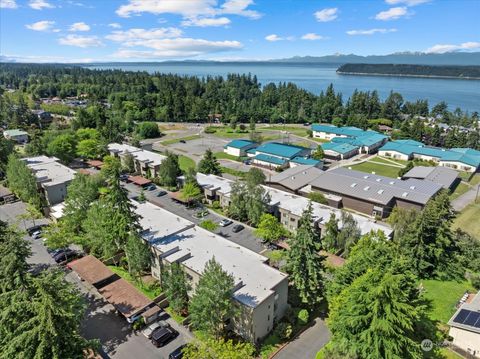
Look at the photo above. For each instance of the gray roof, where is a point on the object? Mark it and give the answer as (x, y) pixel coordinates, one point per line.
(375, 188)
(296, 177)
(442, 175)
(474, 307)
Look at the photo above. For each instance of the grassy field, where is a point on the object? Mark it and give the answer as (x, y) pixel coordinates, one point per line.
(475, 180)
(176, 140)
(443, 296)
(185, 162)
(382, 170)
(233, 172)
(225, 156)
(468, 221)
(388, 161)
(461, 189)
(299, 131)
(170, 127)
(150, 291)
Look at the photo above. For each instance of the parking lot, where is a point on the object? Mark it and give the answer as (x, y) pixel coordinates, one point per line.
(245, 237)
(101, 322)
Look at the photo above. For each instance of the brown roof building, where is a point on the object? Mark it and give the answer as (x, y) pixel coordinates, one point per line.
(92, 270)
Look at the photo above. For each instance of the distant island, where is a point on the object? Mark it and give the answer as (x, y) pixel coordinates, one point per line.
(454, 72)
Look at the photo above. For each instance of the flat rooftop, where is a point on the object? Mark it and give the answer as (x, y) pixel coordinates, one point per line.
(254, 279)
(158, 223)
(214, 183)
(296, 177)
(49, 172)
(149, 157)
(122, 148)
(442, 175)
(375, 188)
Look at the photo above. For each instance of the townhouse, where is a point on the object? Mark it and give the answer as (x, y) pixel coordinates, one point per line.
(146, 163)
(52, 177)
(16, 135)
(287, 207)
(260, 291)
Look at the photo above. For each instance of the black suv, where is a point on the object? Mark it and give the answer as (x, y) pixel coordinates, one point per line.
(163, 335)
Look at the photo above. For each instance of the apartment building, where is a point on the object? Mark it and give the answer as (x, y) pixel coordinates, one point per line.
(260, 291)
(147, 163)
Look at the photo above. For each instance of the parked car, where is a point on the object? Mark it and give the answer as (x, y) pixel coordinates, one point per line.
(152, 327)
(54, 252)
(225, 222)
(177, 353)
(237, 228)
(151, 187)
(37, 234)
(66, 256)
(162, 336)
(35, 228)
(161, 193)
(123, 177)
(182, 141)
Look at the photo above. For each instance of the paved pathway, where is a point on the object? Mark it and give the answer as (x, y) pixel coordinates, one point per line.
(308, 343)
(465, 199)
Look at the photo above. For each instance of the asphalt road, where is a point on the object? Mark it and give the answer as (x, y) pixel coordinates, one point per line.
(308, 343)
(245, 237)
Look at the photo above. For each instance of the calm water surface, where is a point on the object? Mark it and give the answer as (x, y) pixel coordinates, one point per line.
(315, 78)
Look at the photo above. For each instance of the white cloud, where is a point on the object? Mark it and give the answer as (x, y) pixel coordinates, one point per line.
(79, 26)
(275, 37)
(44, 25)
(115, 25)
(143, 34)
(206, 21)
(440, 49)
(312, 36)
(370, 32)
(40, 4)
(239, 7)
(176, 48)
(203, 12)
(8, 4)
(392, 13)
(80, 41)
(325, 15)
(406, 2)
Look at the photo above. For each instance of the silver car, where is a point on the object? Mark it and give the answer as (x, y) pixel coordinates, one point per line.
(149, 330)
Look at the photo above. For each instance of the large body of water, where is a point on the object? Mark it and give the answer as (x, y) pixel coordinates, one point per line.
(316, 77)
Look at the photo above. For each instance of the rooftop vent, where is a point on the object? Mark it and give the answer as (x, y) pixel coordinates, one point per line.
(392, 182)
(379, 180)
(380, 191)
(404, 194)
(365, 177)
(366, 188)
(353, 185)
(412, 187)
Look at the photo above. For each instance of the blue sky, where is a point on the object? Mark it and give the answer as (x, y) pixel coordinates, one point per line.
(157, 30)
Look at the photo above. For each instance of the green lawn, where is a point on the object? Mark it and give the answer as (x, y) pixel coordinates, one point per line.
(176, 140)
(269, 345)
(176, 317)
(443, 296)
(299, 131)
(233, 172)
(475, 180)
(467, 220)
(150, 291)
(382, 170)
(388, 161)
(225, 156)
(185, 162)
(461, 189)
(227, 132)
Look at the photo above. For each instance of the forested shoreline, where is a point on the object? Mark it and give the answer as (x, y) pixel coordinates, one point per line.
(443, 71)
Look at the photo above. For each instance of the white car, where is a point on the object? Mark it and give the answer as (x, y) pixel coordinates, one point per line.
(149, 330)
(225, 222)
(37, 235)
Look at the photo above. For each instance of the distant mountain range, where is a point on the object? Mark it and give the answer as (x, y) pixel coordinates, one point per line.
(411, 58)
(408, 58)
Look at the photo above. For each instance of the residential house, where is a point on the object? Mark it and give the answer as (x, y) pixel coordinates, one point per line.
(18, 136)
(239, 148)
(465, 327)
(260, 292)
(44, 118)
(372, 194)
(52, 177)
(462, 159)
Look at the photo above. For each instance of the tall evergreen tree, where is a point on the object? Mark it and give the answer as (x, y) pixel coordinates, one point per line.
(304, 264)
(174, 282)
(212, 305)
(22, 181)
(209, 164)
